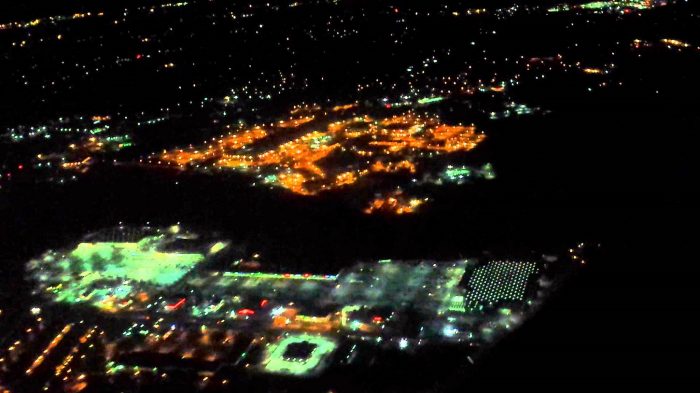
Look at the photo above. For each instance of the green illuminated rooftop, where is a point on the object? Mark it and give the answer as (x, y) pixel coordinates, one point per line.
(117, 268)
(500, 280)
(133, 261)
(463, 173)
(277, 363)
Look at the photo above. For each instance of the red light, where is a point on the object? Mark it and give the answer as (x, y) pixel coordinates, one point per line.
(287, 275)
(264, 302)
(177, 305)
(388, 106)
(246, 311)
(139, 56)
(307, 275)
(20, 167)
(377, 319)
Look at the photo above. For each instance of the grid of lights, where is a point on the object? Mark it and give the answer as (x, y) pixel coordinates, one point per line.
(500, 280)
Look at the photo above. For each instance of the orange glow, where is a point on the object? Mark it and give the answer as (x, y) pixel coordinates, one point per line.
(345, 178)
(592, 70)
(302, 154)
(392, 167)
(77, 165)
(56, 340)
(293, 182)
(291, 320)
(143, 297)
(78, 387)
(345, 107)
(291, 123)
(396, 203)
(676, 43)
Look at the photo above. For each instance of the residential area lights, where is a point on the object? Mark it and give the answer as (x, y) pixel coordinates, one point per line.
(319, 150)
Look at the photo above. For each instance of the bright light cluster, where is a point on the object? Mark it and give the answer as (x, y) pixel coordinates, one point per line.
(500, 280)
(611, 5)
(317, 150)
(396, 203)
(277, 360)
(112, 275)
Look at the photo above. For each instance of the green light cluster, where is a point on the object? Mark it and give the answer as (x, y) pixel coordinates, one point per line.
(277, 276)
(277, 364)
(430, 100)
(500, 280)
(606, 5)
(450, 291)
(596, 5)
(455, 174)
(131, 261)
(210, 309)
(464, 173)
(487, 171)
(109, 274)
(456, 304)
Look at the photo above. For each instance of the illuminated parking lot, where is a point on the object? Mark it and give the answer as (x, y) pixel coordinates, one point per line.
(280, 357)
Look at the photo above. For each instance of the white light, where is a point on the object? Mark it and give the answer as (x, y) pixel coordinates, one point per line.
(403, 343)
(277, 311)
(449, 331)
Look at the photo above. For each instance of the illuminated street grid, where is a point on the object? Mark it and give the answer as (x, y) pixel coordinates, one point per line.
(323, 150)
(67, 161)
(278, 360)
(175, 308)
(136, 276)
(142, 279)
(292, 164)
